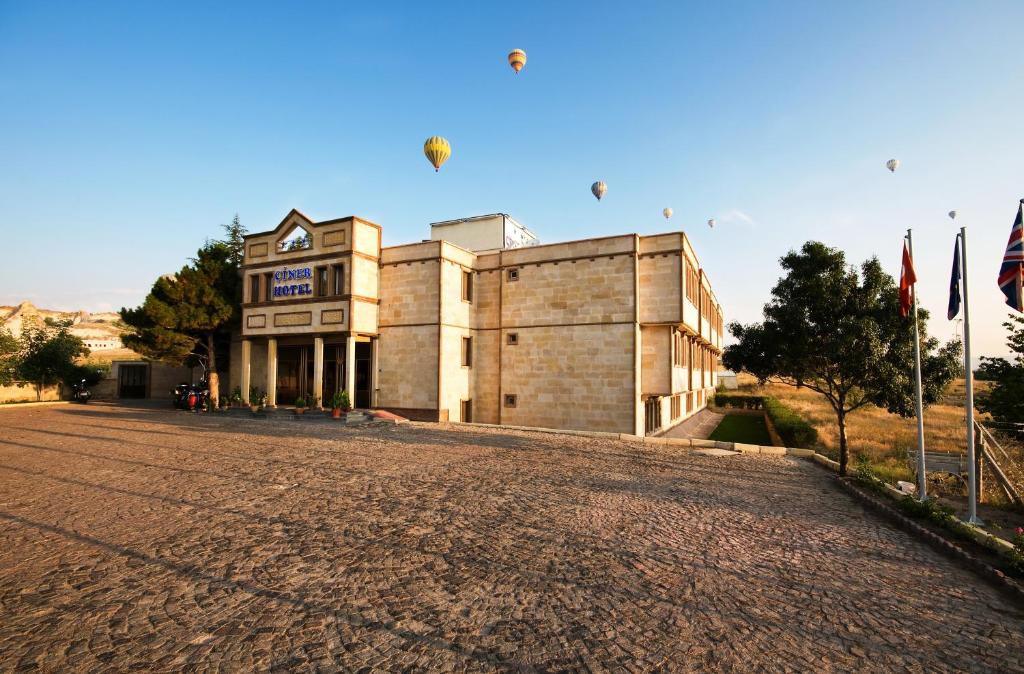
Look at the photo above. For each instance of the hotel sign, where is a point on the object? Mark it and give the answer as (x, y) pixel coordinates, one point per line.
(288, 282)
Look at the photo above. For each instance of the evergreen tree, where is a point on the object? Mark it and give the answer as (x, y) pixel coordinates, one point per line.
(839, 332)
(189, 316)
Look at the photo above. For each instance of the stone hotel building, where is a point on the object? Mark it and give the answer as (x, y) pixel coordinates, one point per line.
(480, 323)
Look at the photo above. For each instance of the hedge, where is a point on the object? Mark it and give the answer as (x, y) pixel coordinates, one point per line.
(794, 431)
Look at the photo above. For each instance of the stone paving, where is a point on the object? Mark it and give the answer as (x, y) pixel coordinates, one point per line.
(145, 539)
(701, 425)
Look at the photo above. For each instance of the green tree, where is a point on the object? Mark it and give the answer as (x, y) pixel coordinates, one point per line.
(839, 333)
(189, 316)
(9, 349)
(1005, 399)
(47, 354)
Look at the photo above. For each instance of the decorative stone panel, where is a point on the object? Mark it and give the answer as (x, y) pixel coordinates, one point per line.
(335, 238)
(258, 250)
(332, 316)
(256, 321)
(293, 318)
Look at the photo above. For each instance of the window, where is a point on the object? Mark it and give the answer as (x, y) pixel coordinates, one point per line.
(268, 287)
(338, 287)
(676, 407)
(692, 285)
(510, 400)
(679, 348)
(467, 352)
(321, 281)
(652, 415)
(467, 286)
(512, 338)
(467, 411)
(512, 275)
(254, 288)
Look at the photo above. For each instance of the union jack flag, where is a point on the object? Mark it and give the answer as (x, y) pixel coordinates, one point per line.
(1011, 274)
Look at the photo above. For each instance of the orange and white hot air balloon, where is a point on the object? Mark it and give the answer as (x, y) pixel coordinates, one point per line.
(517, 59)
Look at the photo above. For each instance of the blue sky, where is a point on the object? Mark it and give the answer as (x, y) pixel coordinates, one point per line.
(130, 131)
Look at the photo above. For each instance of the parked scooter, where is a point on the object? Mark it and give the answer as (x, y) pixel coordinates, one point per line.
(80, 392)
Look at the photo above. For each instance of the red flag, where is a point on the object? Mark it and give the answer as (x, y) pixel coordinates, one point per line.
(907, 279)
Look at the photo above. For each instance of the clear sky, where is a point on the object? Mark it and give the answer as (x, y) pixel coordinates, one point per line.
(130, 131)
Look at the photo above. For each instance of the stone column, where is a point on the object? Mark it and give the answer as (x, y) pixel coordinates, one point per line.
(318, 370)
(375, 370)
(246, 369)
(350, 368)
(271, 372)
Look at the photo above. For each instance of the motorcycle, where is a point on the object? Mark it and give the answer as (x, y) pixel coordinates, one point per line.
(191, 397)
(80, 393)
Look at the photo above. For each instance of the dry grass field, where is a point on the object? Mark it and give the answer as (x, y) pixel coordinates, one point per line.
(884, 438)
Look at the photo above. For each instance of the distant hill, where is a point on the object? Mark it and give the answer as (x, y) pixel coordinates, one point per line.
(100, 331)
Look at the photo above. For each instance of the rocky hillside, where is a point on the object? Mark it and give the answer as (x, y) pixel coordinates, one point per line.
(99, 331)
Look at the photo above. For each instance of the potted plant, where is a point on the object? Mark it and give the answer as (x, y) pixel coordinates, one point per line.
(300, 405)
(257, 399)
(339, 403)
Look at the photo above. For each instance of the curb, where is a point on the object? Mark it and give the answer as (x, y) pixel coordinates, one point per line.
(44, 403)
(940, 543)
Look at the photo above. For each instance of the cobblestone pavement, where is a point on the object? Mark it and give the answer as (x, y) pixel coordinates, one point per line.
(144, 539)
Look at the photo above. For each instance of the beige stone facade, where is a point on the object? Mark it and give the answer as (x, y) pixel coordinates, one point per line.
(617, 334)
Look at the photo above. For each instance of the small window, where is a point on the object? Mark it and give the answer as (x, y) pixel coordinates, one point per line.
(510, 400)
(254, 288)
(467, 411)
(512, 338)
(467, 286)
(338, 287)
(467, 352)
(268, 287)
(512, 275)
(321, 281)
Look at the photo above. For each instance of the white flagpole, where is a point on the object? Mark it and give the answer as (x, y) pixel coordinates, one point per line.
(922, 489)
(972, 497)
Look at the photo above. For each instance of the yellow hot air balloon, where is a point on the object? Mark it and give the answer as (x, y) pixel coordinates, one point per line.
(517, 59)
(437, 150)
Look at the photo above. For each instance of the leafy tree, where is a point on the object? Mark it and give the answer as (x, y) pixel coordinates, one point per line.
(92, 373)
(189, 316)
(1005, 399)
(839, 332)
(9, 348)
(47, 354)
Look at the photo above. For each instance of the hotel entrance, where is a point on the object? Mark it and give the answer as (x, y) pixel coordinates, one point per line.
(296, 375)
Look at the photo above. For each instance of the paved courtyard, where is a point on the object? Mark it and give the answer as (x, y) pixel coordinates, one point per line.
(145, 539)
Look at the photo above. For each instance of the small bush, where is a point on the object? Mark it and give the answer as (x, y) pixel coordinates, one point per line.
(1017, 555)
(791, 427)
(739, 400)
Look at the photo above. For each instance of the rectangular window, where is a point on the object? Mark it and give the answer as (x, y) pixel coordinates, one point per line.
(676, 407)
(321, 281)
(268, 287)
(512, 338)
(512, 275)
(338, 287)
(467, 286)
(467, 352)
(467, 411)
(254, 288)
(510, 400)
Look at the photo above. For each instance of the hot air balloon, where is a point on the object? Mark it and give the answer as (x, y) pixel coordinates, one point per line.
(599, 188)
(437, 151)
(667, 213)
(892, 165)
(517, 59)
(711, 223)
(952, 215)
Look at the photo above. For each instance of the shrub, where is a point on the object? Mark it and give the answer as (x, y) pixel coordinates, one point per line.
(739, 400)
(1017, 555)
(300, 402)
(794, 431)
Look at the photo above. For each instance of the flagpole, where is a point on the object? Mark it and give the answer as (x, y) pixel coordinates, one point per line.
(972, 496)
(922, 489)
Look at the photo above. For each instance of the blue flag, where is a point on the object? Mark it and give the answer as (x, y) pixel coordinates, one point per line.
(954, 283)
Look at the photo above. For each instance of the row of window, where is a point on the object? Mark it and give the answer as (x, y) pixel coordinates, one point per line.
(327, 281)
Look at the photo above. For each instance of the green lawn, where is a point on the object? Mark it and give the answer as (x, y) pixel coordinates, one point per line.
(742, 428)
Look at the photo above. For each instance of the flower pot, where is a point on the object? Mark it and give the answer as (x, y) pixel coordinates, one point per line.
(336, 413)
(254, 408)
(300, 410)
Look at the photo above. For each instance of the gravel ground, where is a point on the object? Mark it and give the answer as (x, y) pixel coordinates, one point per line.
(146, 539)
